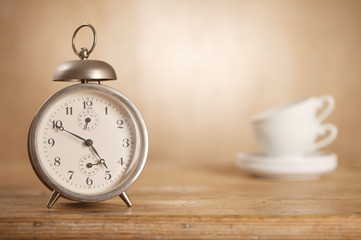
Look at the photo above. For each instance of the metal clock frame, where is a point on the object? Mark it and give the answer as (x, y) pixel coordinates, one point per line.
(130, 176)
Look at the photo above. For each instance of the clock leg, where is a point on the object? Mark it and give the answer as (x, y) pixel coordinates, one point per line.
(126, 199)
(53, 198)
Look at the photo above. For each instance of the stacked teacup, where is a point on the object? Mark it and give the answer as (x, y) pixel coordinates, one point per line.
(290, 136)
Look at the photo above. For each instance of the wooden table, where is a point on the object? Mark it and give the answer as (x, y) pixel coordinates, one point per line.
(174, 200)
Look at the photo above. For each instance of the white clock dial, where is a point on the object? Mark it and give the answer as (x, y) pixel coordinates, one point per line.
(86, 141)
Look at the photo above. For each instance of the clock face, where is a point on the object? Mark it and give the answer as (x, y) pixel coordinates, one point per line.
(87, 141)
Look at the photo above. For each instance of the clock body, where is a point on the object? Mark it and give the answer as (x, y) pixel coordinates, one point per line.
(88, 142)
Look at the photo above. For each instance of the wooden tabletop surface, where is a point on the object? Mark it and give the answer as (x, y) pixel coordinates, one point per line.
(175, 200)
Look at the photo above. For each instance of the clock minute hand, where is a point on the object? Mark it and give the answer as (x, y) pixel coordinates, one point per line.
(88, 142)
(63, 129)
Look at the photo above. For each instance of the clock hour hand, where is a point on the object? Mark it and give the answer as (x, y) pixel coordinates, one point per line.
(102, 161)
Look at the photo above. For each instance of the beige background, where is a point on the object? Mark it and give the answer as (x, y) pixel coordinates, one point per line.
(197, 70)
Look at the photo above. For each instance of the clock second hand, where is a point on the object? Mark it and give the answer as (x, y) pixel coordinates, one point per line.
(88, 142)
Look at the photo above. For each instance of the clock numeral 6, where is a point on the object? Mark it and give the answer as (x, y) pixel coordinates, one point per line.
(89, 181)
(57, 161)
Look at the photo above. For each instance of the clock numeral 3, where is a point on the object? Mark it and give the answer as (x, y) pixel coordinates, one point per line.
(126, 142)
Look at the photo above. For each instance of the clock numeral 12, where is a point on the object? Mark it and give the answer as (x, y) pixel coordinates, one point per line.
(87, 104)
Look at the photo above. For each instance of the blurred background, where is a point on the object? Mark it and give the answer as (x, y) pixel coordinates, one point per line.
(197, 70)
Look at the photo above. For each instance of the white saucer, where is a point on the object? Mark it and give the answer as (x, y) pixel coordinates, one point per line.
(290, 168)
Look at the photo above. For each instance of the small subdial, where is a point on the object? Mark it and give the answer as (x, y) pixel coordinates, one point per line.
(88, 119)
(88, 165)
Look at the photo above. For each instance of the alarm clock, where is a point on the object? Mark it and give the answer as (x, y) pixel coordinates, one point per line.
(88, 142)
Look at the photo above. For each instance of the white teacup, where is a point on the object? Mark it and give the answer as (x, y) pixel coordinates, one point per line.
(293, 129)
(284, 138)
(305, 109)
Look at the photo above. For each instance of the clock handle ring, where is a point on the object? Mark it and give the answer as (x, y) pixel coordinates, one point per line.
(84, 52)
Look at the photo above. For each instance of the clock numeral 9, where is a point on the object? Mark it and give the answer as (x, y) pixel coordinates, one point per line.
(51, 141)
(107, 175)
(57, 124)
(57, 161)
(89, 181)
(126, 142)
(120, 123)
(87, 104)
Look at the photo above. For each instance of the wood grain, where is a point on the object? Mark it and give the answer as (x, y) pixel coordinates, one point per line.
(196, 201)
